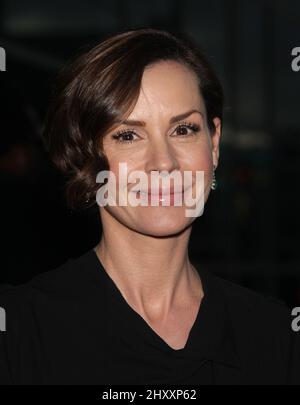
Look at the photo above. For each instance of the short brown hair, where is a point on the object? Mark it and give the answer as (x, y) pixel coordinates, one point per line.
(101, 86)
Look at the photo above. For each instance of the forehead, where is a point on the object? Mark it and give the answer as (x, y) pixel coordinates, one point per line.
(167, 88)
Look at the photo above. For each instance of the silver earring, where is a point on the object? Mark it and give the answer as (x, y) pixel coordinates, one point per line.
(214, 181)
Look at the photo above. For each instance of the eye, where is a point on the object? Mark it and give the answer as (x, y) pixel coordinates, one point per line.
(124, 136)
(185, 127)
(127, 136)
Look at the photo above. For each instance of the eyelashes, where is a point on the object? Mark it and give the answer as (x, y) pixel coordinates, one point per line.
(120, 136)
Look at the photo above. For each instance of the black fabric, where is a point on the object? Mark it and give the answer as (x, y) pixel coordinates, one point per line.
(73, 326)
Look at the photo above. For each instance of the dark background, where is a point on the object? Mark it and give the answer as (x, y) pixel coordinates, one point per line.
(249, 232)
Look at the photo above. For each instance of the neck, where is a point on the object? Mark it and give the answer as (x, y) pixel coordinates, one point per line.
(154, 274)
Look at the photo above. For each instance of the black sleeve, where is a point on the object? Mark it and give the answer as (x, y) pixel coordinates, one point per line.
(5, 378)
(5, 335)
(294, 363)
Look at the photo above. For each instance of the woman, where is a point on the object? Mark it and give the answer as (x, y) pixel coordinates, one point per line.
(133, 309)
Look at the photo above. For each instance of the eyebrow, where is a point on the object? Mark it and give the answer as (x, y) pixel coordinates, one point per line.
(172, 120)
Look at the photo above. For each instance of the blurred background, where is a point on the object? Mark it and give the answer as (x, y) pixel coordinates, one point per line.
(249, 232)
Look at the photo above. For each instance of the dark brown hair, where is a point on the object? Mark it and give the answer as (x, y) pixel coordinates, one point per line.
(101, 86)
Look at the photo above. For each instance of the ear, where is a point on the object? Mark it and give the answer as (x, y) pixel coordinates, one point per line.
(215, 139)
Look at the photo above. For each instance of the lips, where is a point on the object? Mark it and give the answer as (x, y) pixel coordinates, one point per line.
(160, 192)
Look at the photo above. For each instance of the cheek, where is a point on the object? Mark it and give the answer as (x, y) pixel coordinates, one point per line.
(200, 159)
(198, 155)
(116, 156)
(121, 167)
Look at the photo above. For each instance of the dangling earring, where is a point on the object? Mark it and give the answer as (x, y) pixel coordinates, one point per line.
(87, 198)
(214, 181)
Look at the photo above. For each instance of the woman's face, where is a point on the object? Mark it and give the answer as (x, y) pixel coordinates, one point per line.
(168, 89)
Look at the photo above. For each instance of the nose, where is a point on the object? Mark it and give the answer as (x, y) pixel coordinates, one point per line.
(161, 157)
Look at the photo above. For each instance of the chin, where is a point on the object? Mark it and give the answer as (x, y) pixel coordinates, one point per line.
(163, 224)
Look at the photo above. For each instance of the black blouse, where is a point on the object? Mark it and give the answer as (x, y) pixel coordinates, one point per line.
(72, 325)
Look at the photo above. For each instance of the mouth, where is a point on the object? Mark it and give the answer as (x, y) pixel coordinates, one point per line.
(172, 196)
(159, 193)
